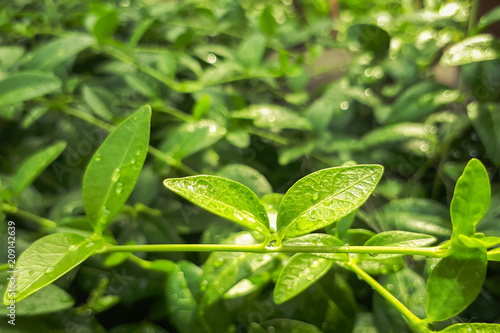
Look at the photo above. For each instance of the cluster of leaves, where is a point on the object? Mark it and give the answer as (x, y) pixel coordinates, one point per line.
(240, 90)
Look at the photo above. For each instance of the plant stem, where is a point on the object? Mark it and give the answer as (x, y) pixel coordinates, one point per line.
(416, 322)
(434, 252)
(29, 216)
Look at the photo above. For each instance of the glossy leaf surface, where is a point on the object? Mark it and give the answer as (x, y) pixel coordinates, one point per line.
(223, 197)
(472, 49)
(324, 197)
(272, 116)
(115, 167)
(34, 165)
(49, 258)
(471, 199)
(320, 240)
(472, 327)
(301, 271)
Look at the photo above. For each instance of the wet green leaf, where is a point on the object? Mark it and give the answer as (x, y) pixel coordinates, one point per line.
(400, 239)
(319, 240)
(472, 49)
(471, 199)
(47, 300)
(34, 165)
(494, 255)
(472, 327)
(324, 197)
(114, 169)
(487, 19)
(455, 281)
(396, 133)
(49, 258)
(223, 197)
(224, 270)
(201, 107)
(301, 271)
(24, 86)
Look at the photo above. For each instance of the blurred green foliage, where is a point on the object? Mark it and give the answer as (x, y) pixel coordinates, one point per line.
(262, 92)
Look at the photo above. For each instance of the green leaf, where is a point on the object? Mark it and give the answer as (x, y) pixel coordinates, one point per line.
(494, 255)
(223, 197)
(105, 25)
(409, 288)
(486, 121)
(412, 214)
(371, 38)
(224, 270)
(324, 197)
(34, 165)
(192, 137)
(319, 240)
(419, 100)
(47, 300)
(288, 325)
(114, 169)
(488, 19)
(396, 133)
(472, 327)
(267, 22)
(23, 86)
(248, 176)
(201, 107)
(400, 239)
(251, 51)
(272, 117)
(9, 55)
(471, 199)
(181, 303)
(455, 281)
(301, 271)
(49, 258)
(96, 103)
(58, 51)
(472, 49)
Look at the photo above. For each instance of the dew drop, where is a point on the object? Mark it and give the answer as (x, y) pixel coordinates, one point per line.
(346, 247)
(174, 297)
(31, 272)
(116, 175)
(49, 270)
(138, 152)
(204, 285)
(314, 264)
(220, 290)
(433, 266)
(219, 262)
(180, 275)
(373, 254)
(72, 248)
(271, 118)
(313, 213)
(344, 105)
(211, 58)
(390, 286)
(98, 157)
(237, 214)
(89, 244)
(315, 196)
(119, 188)
(310, 277)
(212, 128)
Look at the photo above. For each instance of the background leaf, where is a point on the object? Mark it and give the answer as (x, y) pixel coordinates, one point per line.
(223, 197)
(34, 165)
(248, 176)
(23, 86)
(114, 169)
(324, 197)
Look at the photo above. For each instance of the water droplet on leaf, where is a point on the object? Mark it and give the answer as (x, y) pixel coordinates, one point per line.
(119, 188)
(49, 270)
(98, 157)
(72, 248)
(116, 175)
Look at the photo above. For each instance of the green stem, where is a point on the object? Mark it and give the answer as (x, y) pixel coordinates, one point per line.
(4, 267)
(434, 252)
(416, 322)
(29, 216)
